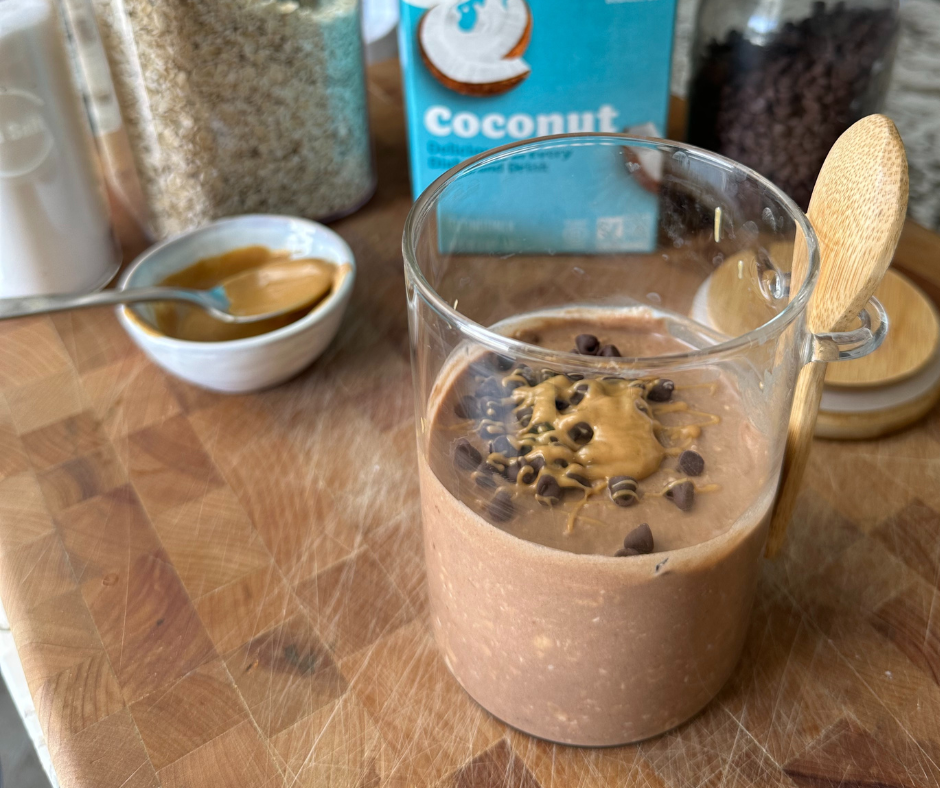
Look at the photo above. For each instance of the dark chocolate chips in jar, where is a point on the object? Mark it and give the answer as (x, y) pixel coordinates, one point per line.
(776, 100)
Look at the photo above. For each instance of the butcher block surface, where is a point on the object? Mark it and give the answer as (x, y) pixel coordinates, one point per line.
(211, 591)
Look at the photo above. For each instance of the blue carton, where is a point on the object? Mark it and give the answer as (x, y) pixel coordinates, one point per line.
(481, 73)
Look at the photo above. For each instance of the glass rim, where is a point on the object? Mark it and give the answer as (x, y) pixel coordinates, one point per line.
(501, 343)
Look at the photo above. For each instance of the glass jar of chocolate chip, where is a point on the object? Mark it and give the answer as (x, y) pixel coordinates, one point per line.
(775, 83)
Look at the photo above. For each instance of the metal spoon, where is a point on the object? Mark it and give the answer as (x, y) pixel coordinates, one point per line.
(281, 287)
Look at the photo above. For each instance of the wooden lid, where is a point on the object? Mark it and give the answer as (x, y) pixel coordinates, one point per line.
(913, 334)
(898, 383)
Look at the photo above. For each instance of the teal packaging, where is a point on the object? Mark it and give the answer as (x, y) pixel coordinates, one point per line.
(481, 73)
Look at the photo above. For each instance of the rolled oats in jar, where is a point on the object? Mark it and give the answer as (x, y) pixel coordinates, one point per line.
(242, 106)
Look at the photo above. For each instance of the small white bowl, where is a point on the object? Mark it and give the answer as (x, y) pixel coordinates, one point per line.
(254, 363)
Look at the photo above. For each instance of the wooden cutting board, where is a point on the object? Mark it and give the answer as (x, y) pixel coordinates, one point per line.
(228, 592)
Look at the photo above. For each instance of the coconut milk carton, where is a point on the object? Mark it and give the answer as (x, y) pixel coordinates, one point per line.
(481, 73)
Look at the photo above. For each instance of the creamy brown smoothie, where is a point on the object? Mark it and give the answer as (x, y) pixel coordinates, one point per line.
(592, 540)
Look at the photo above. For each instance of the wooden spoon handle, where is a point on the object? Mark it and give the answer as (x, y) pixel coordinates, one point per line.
(806, 397)
(857, 210)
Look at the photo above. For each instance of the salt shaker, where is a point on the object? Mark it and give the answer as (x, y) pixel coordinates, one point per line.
(776, 82)
(55, 228)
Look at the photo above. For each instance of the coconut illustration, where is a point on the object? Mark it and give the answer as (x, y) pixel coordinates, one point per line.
(475, 47)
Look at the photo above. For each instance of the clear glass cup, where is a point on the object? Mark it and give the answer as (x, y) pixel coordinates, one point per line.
(685, 258)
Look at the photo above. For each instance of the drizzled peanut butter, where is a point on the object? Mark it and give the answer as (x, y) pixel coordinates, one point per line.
(523, 429)
(581, 432)
(624, 442)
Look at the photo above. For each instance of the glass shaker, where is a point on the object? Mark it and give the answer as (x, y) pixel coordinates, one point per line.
(242, 106)
(55, 226)
(775, 82)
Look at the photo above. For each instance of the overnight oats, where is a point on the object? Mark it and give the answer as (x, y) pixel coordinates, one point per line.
(598, 455)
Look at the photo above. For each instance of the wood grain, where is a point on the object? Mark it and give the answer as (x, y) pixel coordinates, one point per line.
(910, 344)
(229, 591)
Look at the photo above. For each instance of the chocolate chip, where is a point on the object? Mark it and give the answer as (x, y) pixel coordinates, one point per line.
(574, 376)
(524, 416)
(549, 489)
(494, 468)
(610, 351)
(519, 470)
(661, 391)
(587, 344)
(623, 490)
(626, 551)
(500, 508)
(498, 362)
(501, 445)
(488, 431)
(485, 479)
(527, 374)
(581, 432)
(639, 539)
(682, 495)
(493, 409)
(492, 389)
(560, 405)
(467, 408)
(691, 463)
(466, 458)
(537, 463)
(560, 462)
(546, 374)
(582, 480)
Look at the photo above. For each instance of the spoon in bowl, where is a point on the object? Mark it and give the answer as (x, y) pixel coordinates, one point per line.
(261, 293)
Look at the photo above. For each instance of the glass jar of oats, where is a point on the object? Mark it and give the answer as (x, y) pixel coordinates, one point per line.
(242, 106)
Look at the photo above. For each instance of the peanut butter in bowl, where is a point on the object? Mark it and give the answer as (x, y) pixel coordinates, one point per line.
(280, 280)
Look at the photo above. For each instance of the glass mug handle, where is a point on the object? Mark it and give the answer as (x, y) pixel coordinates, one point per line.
(845, 345)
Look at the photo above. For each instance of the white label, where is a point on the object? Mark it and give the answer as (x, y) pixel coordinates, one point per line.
(25, 139)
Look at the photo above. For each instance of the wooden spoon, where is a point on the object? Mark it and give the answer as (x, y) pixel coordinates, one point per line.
(857, 210)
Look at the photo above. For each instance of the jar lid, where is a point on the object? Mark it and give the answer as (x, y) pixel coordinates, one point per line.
(898, 383)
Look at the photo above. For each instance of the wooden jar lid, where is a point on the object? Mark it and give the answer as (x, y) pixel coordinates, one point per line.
(912, 338)
(864, 398)
(898, 383)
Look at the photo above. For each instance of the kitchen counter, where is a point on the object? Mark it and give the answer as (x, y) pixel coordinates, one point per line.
(228, 592)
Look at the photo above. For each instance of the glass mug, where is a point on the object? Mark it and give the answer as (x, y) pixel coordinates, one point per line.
(527, 448)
